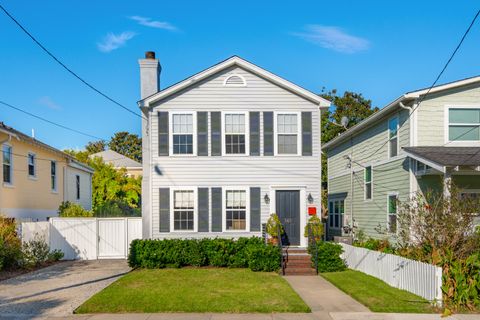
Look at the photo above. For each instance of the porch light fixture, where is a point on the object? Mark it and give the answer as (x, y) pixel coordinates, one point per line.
(310, 198)
(266, 198)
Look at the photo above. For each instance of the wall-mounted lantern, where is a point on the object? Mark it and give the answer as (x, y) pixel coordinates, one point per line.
(310, 198)
(266, 198)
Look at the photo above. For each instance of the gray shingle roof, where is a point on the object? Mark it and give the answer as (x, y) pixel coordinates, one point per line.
(116, 159)
(448, 156)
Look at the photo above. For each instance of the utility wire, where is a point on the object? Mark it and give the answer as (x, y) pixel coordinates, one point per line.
(49, 121)
(66, 67)
(436, 79)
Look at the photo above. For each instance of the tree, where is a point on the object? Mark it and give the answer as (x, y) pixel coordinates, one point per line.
(96, 146)
(352, 105)
(128, 144)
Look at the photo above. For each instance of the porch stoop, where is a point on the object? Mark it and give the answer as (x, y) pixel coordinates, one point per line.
(298, 262)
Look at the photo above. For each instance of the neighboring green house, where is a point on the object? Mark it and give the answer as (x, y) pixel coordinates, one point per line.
(400, 150)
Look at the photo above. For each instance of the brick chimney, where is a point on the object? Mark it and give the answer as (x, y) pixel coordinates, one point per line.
(149, 75)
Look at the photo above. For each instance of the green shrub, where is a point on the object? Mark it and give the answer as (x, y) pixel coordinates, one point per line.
(35, 252)
(316, 228)
(250, 253)
(273, 223)
(55, 255)
(329, 259)
(382, 245)
(116, 208)
(69, 209)
(10, 245)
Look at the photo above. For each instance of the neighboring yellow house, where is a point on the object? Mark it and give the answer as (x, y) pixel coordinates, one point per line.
(36, 177)
(117, 160)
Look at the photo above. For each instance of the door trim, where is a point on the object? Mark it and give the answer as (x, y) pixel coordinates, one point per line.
(303, 206)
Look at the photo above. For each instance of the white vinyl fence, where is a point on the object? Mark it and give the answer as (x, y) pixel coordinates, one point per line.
(422, 279)
(87, 238)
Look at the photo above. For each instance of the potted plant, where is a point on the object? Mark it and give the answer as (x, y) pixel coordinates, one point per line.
(316, 226)
(273, 224)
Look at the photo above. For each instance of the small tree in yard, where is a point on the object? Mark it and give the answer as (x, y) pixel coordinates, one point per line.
(440, 230)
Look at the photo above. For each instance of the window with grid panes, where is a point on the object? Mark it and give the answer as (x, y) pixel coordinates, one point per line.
(235, 133)
(287, 133)
(183, 210)
(236, 210)
(182, 127)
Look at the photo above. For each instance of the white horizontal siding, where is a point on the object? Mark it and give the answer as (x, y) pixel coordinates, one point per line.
(85, 187)
(259, 171)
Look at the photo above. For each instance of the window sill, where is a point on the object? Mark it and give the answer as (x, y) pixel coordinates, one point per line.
(54, 191)
(8, 185)
(33, 178)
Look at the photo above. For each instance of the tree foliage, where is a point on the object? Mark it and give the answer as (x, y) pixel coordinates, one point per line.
(96, 146)
(128, 144)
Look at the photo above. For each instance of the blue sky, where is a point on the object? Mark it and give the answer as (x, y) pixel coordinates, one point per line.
(378, 48)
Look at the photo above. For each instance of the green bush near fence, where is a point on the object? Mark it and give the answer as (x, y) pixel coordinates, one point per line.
(328, 257)
(250, 253)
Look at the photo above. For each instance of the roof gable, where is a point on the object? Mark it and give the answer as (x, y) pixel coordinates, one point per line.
(231, 62)
(116, 159)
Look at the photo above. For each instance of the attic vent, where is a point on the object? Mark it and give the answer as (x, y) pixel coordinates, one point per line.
(235, 80)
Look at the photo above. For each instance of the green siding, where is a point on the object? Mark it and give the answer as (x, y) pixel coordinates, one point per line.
(386, 178)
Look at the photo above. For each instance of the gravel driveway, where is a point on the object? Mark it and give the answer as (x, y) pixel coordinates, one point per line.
(57, 290)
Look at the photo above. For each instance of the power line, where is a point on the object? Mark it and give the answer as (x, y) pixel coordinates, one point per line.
(436, 79)
(49, 121)
(65, 67)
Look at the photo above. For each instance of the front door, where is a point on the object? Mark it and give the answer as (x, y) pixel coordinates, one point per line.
(288, 211)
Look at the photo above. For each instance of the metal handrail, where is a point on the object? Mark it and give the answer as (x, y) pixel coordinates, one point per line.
(313, 246)
(280, 245)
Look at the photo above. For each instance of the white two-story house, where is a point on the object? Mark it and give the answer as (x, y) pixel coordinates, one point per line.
(225, 148)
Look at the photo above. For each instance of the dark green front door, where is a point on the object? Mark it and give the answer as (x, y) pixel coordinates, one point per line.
(288, 211)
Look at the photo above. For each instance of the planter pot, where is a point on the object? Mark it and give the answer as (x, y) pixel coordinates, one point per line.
(273, 241)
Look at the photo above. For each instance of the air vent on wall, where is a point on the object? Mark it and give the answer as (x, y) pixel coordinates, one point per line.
(235, 80)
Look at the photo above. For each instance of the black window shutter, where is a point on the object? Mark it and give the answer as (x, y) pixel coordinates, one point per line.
(306, 133)
(216, 209)
(202, 133)
(254, 133)
(255, 209)
(202, 209)
(164, 209)
(268, 133)
(216, 133)
(163, 133)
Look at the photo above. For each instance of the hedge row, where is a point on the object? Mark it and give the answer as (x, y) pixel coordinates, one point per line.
(329, 259)
(250, 253)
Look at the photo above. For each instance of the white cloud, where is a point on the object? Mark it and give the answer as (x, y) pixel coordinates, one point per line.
(49, 103)
(114, 41)
(148, 22)
(334, 38)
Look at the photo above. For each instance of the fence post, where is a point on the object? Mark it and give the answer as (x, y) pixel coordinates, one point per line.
(439, 296)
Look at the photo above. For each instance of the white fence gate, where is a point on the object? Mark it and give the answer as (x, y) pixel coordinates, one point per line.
(88, 238)
(422, 279)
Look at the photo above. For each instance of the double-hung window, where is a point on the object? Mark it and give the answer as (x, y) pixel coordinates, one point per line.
(53, 175)
(184, 210)
(393, 137)
(336, 211)
(368, 183)
(392, 213)
(7, 164)
(464, 124)
(32, 162)
(182, 133)
(235, 133)
(236, 210)
(287, 133)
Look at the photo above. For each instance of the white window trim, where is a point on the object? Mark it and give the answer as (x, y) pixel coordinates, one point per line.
(244, 84)
(11, 183)
(299, 134)
(54, 190)
(224, 208)
(447, 126)
(195, 209)
(398, 135)
(34, 177)
(389, 194)
(365, 183)
(194, 133)
(247, 134)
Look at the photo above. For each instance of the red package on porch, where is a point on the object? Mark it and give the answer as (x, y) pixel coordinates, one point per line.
(312, 211)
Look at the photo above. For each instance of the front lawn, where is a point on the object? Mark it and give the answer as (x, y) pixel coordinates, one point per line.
(376, 294)
(196, 290)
